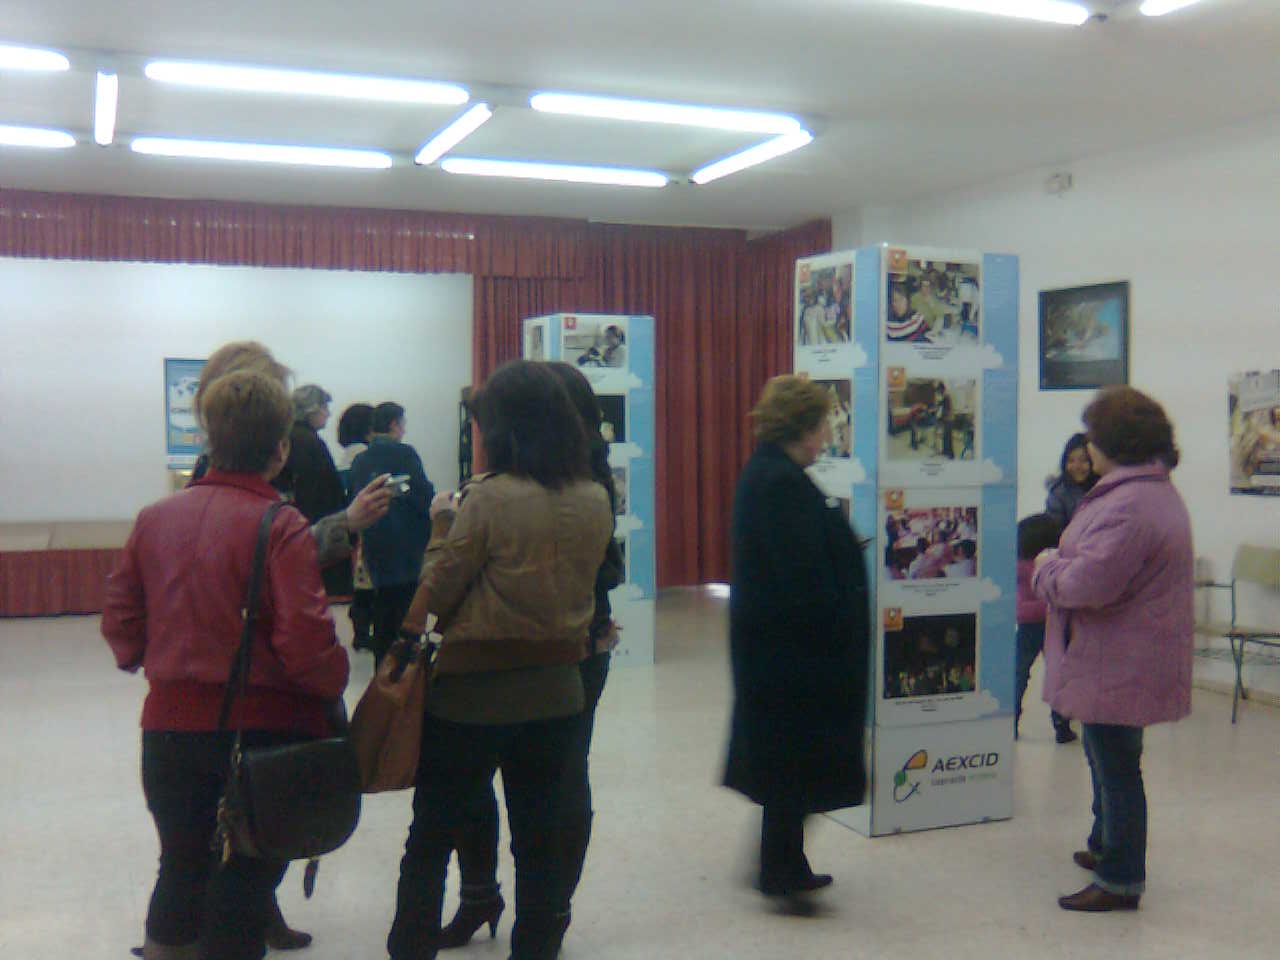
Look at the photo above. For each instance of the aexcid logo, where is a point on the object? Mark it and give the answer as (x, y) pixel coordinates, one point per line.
(903, 791)
(971, 762)
(946, 771)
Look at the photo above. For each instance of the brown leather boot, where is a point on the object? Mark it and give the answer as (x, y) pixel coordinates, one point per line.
(280, 936)
(1093, 899)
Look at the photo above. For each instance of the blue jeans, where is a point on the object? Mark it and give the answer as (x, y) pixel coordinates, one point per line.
(1030, 641)
(1119, 835)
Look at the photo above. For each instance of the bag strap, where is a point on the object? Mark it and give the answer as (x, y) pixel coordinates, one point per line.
(238, 680)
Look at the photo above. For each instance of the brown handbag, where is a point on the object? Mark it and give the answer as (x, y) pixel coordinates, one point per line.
(386, 727)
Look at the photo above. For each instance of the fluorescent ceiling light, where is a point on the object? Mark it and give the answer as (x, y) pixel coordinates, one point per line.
(752, 156)
(262, 153)
(220, 76)
(1050, 11)
(609, 176)
(35, 137)
(647, 111)
(1158, 8)
(453, 134)
(106, 97)
(31, 58)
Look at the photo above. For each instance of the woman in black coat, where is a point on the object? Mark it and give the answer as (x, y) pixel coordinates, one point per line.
(799, 628)
(310, 475)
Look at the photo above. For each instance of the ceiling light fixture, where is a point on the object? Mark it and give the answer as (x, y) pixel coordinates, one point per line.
(752, 156)
(1050, 11)
(569, 173)
(13, 57)
(262, 153)
(106, 98)
(1158, 8)
(453, 134)
(648, 111)
(35, 137)
(219, 76)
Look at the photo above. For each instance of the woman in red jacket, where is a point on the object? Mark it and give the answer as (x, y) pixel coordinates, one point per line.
(173, 608)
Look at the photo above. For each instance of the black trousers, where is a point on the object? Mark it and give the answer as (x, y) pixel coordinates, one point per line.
(477, 842)
(455, 775)
(782, 858)
(226, 907)
(390, 604)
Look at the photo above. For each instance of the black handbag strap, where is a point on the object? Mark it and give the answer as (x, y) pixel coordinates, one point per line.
(238, 681)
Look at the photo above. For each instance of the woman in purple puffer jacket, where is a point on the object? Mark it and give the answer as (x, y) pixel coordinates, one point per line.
(1119, 642)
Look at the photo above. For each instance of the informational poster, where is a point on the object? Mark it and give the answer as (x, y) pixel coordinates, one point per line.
(1253, 420)
(933, 302)
(183, 440)
(616, 354)
(824, 307)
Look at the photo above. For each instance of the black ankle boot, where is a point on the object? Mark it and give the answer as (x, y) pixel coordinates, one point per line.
(538, 936)
(473, 913)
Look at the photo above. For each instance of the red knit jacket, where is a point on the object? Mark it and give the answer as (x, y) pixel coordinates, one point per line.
(173, 607)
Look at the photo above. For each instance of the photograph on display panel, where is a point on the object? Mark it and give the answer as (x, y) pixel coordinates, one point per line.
(1084, 337)
(614, 426)
(932, 302)
(931, 543)
(840, 418)
(595, 342)
(1253, 421)
(535, 341)
(930, 655)
(930, 417)
(620, 490)
(824, 304)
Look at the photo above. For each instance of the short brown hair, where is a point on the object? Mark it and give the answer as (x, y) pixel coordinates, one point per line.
(238, 355)
(1130, 427)
(247, 414)
(790, 407)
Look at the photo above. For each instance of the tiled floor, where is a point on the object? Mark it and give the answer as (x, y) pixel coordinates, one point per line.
(665, 875)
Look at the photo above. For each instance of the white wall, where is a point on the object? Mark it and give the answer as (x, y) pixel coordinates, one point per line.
(82, 348)
(1192, 225)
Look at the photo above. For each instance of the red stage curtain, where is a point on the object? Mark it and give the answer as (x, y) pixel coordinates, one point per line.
(722, 305)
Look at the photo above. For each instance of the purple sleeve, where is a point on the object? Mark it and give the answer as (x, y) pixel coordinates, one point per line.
(1105, 558)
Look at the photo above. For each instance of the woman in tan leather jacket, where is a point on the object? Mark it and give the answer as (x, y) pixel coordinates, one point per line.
(512, 579)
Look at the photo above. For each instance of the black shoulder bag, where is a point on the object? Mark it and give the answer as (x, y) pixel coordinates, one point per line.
(291, 802)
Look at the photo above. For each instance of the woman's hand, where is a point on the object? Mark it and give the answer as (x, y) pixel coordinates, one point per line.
(1043, 557)
(445, 502)
(370, 504)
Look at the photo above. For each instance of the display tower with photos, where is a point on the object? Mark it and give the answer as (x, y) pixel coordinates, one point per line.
(616, 354)
(919, 349)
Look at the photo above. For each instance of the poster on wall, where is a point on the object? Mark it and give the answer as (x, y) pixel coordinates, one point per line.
(183, 440)
(933, 301)
(1253, 418)
(824, 298)
(1084, 337)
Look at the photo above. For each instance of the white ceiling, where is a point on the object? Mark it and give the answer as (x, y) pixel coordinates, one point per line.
(910, 100)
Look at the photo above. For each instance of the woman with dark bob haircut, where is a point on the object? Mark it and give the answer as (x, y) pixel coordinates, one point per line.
(799, 626)
(481, 901)
(1118, 646)
(173, 608)
(510, 572)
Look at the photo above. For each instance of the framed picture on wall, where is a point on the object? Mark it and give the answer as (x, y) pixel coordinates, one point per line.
(1084, 337)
